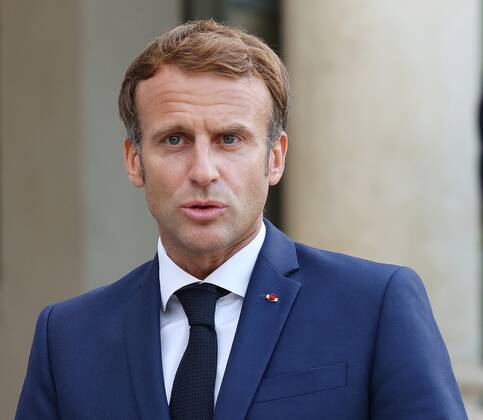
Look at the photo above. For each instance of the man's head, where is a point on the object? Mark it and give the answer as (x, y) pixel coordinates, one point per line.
(200, 105)
(207, 46)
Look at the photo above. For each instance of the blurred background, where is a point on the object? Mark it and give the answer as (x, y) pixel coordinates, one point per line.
(383, 160)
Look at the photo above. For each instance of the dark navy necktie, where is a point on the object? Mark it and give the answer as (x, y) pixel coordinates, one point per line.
(192, 396)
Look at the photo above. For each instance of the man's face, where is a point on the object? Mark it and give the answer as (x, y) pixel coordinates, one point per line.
(203, 156)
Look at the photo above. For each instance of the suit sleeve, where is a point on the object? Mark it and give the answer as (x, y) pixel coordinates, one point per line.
(38, 397)
(412, 377)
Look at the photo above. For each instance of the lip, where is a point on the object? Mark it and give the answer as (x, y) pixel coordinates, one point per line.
(201, 203)
(203, 211)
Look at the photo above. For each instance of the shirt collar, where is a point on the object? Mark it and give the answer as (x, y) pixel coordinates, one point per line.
(233, 275)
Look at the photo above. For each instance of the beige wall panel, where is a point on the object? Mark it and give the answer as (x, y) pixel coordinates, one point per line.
(383, 152)
(39, 174)
(119, 232)
(69, 220)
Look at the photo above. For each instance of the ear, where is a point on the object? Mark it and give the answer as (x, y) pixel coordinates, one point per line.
(132, 162)
(277, 159)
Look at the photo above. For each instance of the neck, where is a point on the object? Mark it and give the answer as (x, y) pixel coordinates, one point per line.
(202, 264)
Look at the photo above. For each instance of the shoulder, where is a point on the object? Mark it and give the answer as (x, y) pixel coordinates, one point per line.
(98, 303)
(341, 264)
(353, 275)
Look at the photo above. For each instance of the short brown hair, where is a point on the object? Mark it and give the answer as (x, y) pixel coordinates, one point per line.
(208, 46)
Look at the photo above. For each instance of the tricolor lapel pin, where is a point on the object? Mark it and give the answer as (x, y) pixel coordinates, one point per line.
(271, 297)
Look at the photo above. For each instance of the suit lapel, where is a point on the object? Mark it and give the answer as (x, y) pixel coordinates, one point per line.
(142, 339)
(260, 325)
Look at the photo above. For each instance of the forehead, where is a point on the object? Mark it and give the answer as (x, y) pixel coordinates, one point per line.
(176, 94)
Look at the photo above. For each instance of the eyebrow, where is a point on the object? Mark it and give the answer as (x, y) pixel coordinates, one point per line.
(237, 129)
(168, 128)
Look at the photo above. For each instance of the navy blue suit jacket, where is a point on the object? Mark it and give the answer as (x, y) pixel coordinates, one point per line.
(348, 339)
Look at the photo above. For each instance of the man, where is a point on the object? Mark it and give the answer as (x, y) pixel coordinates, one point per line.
(231, 319)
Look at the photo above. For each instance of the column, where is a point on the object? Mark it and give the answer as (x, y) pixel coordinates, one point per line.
(383, 146)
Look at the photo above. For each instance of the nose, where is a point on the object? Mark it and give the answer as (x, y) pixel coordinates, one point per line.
(203, 169)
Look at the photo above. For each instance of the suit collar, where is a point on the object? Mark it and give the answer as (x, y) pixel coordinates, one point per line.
(260, 325)
(279, 250)
(143, 346)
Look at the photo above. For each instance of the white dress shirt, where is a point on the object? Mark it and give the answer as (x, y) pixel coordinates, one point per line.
(233, 275)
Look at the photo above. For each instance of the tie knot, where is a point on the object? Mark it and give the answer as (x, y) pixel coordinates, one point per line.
(199, 302)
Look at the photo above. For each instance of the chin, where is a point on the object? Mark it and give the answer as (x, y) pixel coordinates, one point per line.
(204, 240)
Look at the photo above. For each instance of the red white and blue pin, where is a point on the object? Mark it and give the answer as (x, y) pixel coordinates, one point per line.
(271, 297)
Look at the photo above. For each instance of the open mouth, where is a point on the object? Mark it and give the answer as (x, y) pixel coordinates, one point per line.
(202, 207)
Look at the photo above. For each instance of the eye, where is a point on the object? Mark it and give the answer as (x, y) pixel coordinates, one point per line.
(173, 140)
(229, 139)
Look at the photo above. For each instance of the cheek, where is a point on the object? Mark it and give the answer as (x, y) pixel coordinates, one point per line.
(161, 184)
(246, 175)
(256, 185)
